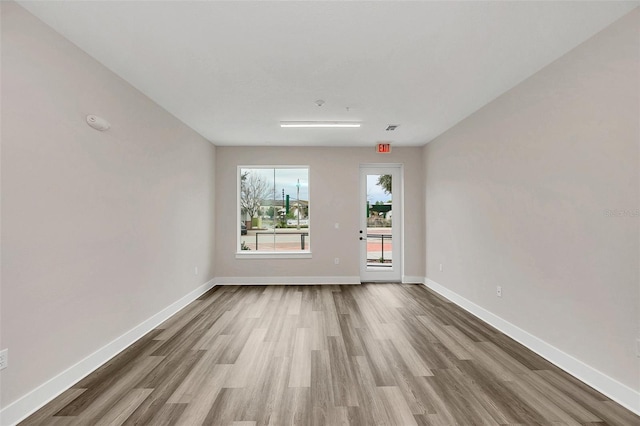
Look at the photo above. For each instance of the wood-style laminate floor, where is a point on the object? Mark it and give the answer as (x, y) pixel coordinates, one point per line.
(376, 354)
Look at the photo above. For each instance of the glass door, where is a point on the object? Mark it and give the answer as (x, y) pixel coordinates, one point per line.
(380, 223)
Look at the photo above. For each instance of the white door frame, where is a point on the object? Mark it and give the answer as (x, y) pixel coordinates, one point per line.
(394, 273)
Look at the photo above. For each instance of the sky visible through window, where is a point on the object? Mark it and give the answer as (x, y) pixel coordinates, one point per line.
(286, 179)
(376, 192)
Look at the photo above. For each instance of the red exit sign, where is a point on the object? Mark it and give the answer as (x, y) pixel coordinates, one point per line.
(383, 148)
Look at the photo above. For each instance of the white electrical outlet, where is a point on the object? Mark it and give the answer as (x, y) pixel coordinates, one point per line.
(195, 271)
(441, 267)
(336, 260)
(499, 291)
(4, 359)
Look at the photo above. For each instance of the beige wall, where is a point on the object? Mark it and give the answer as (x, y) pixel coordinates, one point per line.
(100, 231)
(517, 196)
(334, 186)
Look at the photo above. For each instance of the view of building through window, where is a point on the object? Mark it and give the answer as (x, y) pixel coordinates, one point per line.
(274, 209)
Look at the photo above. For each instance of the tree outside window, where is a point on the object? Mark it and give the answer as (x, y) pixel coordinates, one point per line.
(274, 209)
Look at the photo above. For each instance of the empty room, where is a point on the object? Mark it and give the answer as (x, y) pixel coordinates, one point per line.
(319, 213)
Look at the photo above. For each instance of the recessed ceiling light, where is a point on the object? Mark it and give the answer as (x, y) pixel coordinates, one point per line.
(319, 124)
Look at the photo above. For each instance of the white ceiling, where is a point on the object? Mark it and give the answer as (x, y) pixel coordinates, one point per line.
(233, 70)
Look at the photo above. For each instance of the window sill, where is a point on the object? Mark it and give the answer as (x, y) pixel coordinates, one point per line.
(273, 255)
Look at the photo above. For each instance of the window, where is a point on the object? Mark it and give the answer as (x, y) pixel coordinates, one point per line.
(273, 205)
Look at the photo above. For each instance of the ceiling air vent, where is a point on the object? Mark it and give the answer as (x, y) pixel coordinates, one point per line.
(391, 127)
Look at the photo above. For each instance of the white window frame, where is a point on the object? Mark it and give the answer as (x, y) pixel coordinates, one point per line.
(252, 254)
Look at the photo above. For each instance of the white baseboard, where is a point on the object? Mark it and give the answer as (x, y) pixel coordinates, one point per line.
(620, 393)
(411, 279)
(287, 280)
(34, 400)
